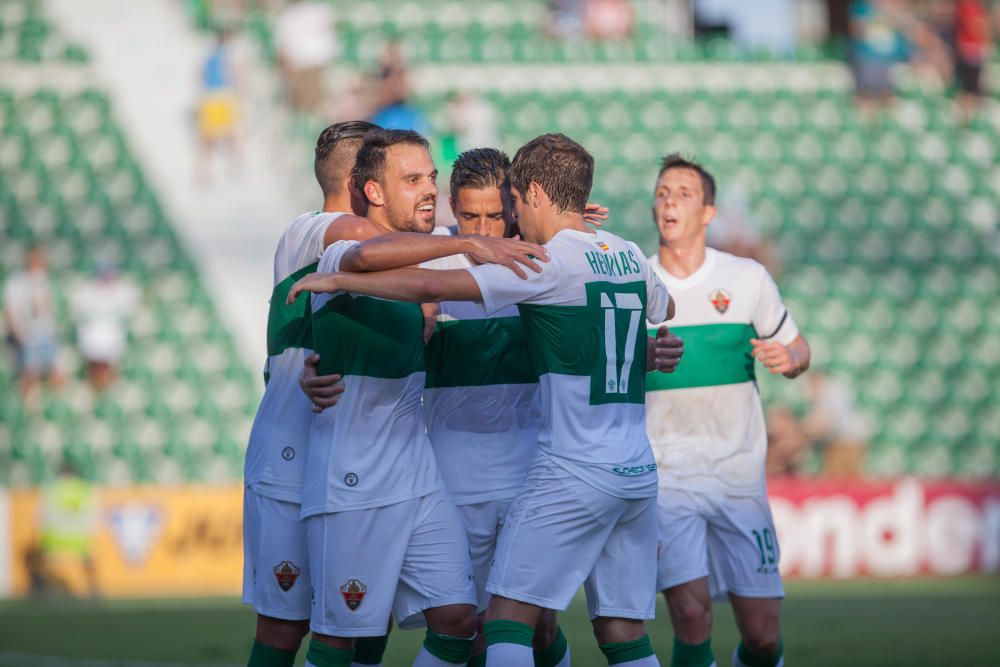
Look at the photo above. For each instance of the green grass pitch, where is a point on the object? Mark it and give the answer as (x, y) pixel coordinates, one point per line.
(934, 623)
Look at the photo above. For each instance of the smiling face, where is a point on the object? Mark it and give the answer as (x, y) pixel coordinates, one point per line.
(679, 209)
(409, 188)
(485, 211)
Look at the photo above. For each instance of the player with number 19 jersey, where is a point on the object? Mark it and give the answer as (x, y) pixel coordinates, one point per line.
(706, 426)
(587, 511)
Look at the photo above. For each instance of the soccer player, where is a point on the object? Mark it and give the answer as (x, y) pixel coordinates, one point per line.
(481, 393)
(586, 514)
(275, 563)
(706, 426)
(384, 537)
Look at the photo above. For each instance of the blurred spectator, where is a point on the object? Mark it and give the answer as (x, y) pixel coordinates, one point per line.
(607, 19)
(762, 26)
(218, 109)
(30, 319)
(836, 423)
(787, 443)
(391, 77)
(473, 121)
(306, 43)
(102, 308)
(394, 111)
(565, 19)
(972, 46)
(69, 515)
(877, 43)
(735, 230)
(352, 100)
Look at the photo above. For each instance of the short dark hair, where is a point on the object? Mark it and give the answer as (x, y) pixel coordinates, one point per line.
(370, 162)
(480, 168)
(563, 168)
(678, 161)
(336, 149)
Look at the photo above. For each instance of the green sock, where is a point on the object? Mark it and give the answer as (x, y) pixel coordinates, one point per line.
(618, 652)
(369, 650)
(477, 661)
(753, 660)
(508, 632)
(550, 657)
(692, 655)
(456, 650)
(322, 655)
(262, 655)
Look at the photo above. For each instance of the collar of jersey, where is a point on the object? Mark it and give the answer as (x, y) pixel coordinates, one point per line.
(684, 283)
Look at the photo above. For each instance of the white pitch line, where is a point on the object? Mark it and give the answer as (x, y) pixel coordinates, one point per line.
(8, 659)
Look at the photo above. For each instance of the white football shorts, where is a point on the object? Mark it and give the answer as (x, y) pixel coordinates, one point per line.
(275, 558)
(561, 532)
(729, 539)
(400, 559)
(482, 525)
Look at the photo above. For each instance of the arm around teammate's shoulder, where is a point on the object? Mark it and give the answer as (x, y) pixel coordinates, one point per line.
(349, 227)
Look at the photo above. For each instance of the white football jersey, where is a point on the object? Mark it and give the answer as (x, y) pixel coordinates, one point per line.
(481, 398)
(276, 454)
(371, 449)
(583, 318)
(705, 420)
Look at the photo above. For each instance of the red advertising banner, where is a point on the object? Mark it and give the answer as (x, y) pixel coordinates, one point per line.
(886, 529)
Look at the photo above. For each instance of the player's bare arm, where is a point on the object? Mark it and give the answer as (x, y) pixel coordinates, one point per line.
(413, 285)
(351, 228)
(789, 360)
(664, 352)
(400, 249)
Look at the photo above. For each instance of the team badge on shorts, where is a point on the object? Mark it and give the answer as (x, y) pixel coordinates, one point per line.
(721, 299)
(354, 593)
(286, 572)
(288, 453)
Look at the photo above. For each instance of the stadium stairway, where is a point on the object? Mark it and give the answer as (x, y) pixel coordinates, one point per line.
(76, 176)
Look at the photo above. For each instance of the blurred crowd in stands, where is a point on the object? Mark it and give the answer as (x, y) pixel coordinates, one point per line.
(99, 306)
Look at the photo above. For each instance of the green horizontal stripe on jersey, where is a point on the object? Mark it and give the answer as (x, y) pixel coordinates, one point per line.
(476, 353)
(369, 337)
(289, 326)
(714, 354)
(570, 340)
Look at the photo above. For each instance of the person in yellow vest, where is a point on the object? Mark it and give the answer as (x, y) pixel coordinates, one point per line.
(69, 515)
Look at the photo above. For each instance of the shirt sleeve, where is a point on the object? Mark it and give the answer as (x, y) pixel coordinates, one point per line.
(657, 296)
(771, 319)
(501, 287)
(330, 263)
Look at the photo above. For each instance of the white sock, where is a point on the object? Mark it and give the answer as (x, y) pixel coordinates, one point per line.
(648, 661)
(425, 659)
(510, 655)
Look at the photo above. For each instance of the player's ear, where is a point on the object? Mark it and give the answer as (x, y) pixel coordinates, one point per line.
(373, 191)
(535, 193)
(451, 203)
(707, 216)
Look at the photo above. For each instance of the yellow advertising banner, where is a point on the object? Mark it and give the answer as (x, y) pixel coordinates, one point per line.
(128, 542)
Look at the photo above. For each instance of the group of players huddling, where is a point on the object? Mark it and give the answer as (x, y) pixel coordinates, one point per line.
(454, 426)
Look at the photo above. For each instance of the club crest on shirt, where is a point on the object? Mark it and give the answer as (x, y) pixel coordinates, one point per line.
(354, 593)
(721, 299)
(286, 572)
